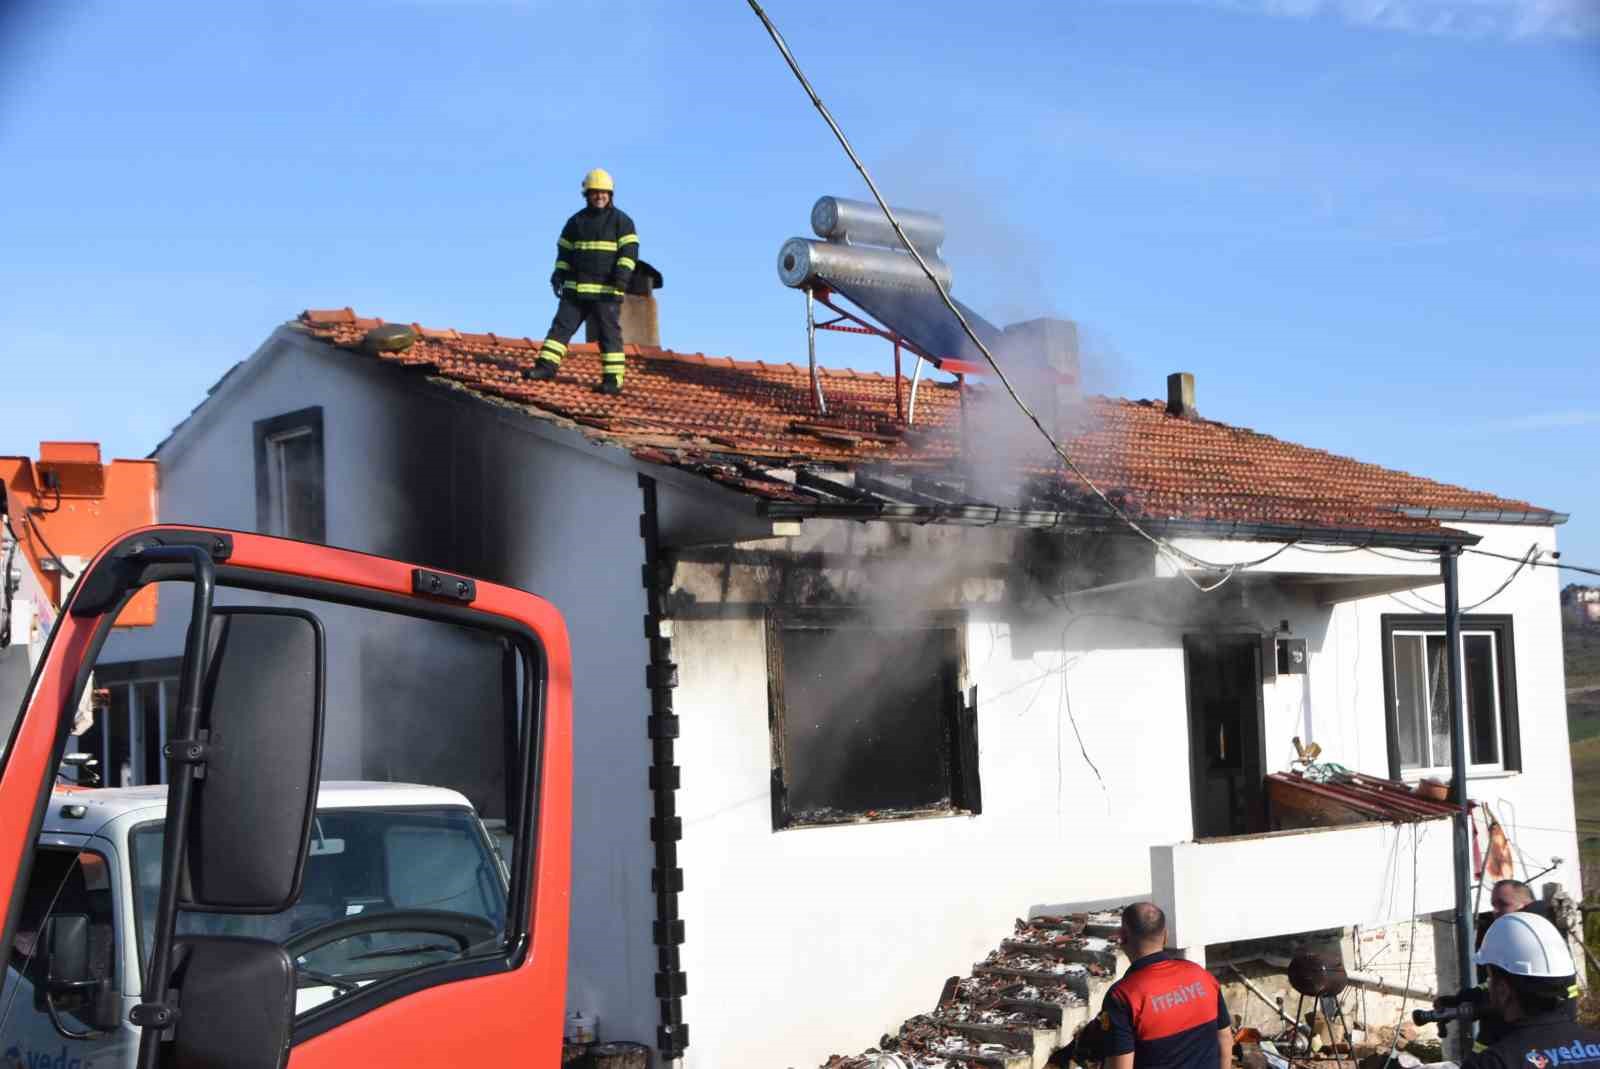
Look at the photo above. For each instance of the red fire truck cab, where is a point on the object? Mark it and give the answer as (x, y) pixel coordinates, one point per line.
(227, 938)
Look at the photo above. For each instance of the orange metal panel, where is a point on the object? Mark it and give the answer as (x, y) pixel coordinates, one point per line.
(96, 501)
(69, 452)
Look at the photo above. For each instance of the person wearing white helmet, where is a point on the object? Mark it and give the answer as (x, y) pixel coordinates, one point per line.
(1508, 896)
(1531, 977)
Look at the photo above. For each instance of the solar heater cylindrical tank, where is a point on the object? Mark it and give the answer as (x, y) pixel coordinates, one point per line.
(856, 222)
(802, 262)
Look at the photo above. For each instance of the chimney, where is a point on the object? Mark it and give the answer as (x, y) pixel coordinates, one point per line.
(1180, 395)
(641, 324)
(1045, 351)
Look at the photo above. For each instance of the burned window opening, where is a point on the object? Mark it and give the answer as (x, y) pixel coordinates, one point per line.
(869, 722)
(290, 491)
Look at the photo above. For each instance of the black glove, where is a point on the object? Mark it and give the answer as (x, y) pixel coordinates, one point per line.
(555, 285)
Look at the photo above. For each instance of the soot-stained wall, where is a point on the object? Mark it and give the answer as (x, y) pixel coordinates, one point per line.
(425, 473)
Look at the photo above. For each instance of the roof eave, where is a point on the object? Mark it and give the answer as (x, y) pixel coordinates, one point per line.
(1531, 518)
(975, 515)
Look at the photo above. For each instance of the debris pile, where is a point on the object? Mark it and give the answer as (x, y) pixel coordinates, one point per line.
(1023, 1001)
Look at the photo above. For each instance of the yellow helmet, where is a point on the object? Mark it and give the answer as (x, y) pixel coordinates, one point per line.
(598, 179)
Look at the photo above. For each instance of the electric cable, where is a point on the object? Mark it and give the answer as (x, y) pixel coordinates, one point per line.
(1411, 942)
(38, 937)
(54, 483)
(1540, 564)
(50, 554)
(1529, 558)
(1162, 545)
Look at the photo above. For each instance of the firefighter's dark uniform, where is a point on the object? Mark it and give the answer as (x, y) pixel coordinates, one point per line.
(595, 258)
(1165, 1011)
(1550, 1040)
(1491, 1026)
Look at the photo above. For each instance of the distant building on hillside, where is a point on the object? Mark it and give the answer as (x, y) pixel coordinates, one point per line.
(1581, 605)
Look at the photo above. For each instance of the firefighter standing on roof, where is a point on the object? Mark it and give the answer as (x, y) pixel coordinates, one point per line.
(595, 259)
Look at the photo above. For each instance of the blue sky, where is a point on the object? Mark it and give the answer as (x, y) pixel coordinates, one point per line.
(1371, 226)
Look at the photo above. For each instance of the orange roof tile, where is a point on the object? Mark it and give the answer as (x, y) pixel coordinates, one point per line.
(732, 419)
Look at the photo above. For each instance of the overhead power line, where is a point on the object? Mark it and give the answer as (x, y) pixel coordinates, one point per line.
(1162, 545)
(1538, 563)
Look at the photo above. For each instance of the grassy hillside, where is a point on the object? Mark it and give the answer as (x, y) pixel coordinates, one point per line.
(1583, 683)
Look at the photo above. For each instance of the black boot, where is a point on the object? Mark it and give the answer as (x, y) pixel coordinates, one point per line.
(541, 370)
(611, 384)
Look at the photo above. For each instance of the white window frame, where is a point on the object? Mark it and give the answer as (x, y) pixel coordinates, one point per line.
(1435, 768)
(278, 475)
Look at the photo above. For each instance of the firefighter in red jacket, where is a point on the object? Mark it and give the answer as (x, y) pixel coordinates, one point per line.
(1165, 1012)
(595, 259)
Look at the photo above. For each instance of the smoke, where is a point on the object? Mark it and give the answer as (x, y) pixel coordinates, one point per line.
(1007, 253)
(1012, 264)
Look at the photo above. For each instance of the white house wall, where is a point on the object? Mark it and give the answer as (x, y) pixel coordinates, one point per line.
(807, 942)
(1340, 703)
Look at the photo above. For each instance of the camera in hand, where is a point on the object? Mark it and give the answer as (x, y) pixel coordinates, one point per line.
(1464, 1011)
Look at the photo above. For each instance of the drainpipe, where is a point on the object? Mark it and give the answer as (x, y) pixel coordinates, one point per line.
(1449, 556)
(666, 827)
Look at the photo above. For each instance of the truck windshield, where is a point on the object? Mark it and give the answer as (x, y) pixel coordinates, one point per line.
(385, 890)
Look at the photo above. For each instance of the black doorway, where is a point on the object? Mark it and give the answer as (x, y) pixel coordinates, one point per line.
(1227, 759)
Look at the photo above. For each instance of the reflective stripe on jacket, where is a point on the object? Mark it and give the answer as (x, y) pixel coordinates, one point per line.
(596, 254)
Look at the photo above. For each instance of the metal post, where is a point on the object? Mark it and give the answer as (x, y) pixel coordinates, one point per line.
(155, 1015)
(899, 407)
(916, 379)
(811, 353)
(1448, 558)
(135, 737)
(161, 712)
(105, 744)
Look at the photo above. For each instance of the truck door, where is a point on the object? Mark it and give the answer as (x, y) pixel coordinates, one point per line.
(443, 700)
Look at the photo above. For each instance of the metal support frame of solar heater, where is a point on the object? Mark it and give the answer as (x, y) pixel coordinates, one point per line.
(1299, 1016)
(904, 411)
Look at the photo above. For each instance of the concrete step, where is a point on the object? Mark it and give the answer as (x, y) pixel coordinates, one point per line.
(928, 1034)
(1098, 952)
(1020, 1004)
(1070, 1016)
(1037, 968)
(1055, 1002)
(1037, 1042)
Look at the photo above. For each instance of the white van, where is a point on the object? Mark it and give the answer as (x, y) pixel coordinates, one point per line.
(400, 877)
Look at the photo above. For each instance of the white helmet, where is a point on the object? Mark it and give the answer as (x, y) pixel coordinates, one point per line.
(1524, 944)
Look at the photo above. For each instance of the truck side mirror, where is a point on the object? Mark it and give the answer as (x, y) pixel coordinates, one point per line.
(235, 1004)
(66, 942)
(70, 985)
(260, 744)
